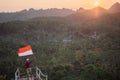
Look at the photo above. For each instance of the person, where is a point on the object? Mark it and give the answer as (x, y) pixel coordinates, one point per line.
(27, 65)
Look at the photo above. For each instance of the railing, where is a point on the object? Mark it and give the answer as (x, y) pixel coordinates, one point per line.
(17, 74)
(39, 74)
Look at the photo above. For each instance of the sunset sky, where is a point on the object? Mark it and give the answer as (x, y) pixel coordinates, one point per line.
(16, 5)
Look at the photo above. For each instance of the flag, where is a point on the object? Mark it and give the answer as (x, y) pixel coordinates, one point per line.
(24, 51)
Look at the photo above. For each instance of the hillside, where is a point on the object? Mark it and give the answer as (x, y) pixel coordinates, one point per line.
(81, 13)
(64, 48)
(32, 13)
(115, 8)
(97, 12)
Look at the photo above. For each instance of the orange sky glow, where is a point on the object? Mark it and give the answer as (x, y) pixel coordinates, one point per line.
(16, 5)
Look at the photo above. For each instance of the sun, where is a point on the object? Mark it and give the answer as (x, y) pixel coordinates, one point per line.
(96, 3)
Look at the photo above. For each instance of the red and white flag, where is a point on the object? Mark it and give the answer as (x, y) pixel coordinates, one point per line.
(25, 51)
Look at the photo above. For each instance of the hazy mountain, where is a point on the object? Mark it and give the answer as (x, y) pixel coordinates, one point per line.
(81, 10)
(115, 8)
(83, 14)
(100, 9)
(98, 12)
(32, 13)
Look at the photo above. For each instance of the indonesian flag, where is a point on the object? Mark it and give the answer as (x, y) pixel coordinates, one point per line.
(25, 51)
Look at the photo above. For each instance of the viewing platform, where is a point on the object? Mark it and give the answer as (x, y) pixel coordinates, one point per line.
(37, 75)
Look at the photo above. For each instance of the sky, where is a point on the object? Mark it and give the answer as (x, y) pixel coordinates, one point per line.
(16, 5)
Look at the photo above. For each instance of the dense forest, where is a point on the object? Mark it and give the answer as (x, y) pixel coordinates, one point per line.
(66, 48)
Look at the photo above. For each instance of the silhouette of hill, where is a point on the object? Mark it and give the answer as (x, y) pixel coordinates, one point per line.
(83, 14)
(80, 14)
(115, 8)
(32, 13)
(81, 10)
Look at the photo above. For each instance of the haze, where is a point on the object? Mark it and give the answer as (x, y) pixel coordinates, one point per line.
(16, 5)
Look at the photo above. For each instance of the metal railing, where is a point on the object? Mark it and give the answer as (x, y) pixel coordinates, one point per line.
(17, 74)
(39, 74)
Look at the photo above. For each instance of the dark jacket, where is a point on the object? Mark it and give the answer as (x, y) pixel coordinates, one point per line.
(27, 64)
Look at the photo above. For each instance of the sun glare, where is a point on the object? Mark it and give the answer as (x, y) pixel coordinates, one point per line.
(96, 3)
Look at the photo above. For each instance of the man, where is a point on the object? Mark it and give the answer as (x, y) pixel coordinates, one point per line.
(27, 65)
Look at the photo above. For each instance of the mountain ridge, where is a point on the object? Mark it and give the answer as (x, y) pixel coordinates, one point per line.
(115, 8)
(54, 12)
(32, 13)
(83, 14)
